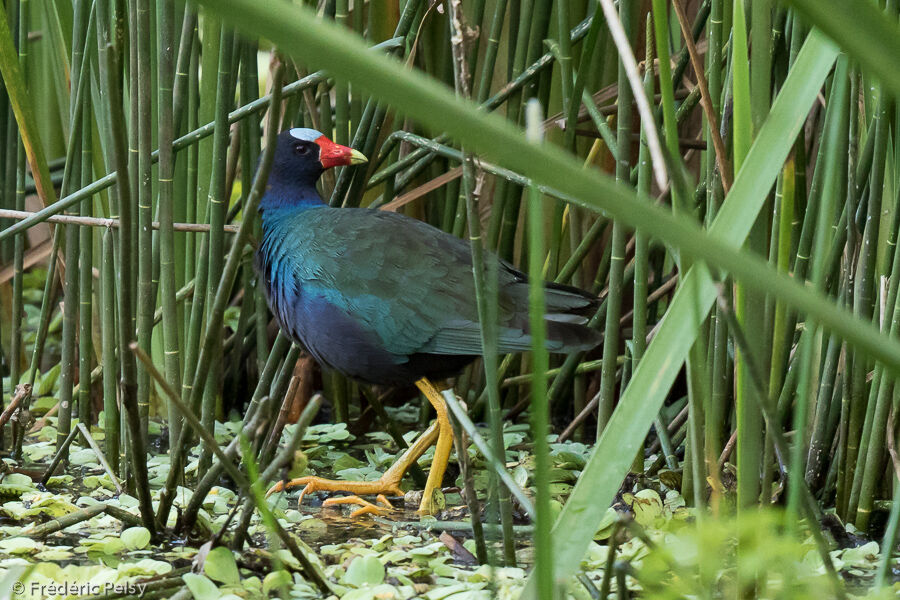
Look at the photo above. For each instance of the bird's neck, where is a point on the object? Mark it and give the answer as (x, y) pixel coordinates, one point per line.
(281, 198)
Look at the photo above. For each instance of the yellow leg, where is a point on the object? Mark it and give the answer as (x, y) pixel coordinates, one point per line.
(441, 450)
(389, 483)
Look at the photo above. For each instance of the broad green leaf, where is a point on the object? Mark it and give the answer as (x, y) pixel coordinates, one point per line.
(48, 381)
(19, 545)
(51, 505)
(126, 501)
(145, 567)
(82, 457)
(364, 571)
(54, 554)
(647, 507)
(220, 566)
(201, 586)
(275, 580)
(18, 479)
(104, 544)
(14, 510)
(136, 538)
(861, 557)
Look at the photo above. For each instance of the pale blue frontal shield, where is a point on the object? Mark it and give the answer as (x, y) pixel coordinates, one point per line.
(305, 134)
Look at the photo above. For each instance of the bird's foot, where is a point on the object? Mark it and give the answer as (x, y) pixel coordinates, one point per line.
(380, 487)
(367, 507)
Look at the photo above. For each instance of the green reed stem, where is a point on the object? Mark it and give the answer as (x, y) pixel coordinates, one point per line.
(217, 205)
(882, 394)
(748, 421)
(165, 10)
(85, 282)
(822, 437)
(485, 290)
(543, 544)
(68, 357)
(249, 151)
(870, 472)
(617, 245)
(181, 78)
(15, 172)
(490, 52)
(111, 415)
(146, 299)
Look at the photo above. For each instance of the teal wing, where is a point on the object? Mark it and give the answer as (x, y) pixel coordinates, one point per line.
(411, 284)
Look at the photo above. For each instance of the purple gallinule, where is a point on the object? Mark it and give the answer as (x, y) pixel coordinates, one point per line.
(387, 299)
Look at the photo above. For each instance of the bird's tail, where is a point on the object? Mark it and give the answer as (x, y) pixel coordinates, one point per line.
(568, 310)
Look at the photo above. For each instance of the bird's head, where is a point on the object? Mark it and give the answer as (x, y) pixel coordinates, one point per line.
(303, 154)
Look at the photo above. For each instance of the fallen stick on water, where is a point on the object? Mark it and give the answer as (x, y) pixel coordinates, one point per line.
(73, 518)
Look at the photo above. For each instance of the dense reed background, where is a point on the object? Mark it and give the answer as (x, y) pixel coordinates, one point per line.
(723, 174)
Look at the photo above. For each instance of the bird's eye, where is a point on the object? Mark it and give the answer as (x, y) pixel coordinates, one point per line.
(301, 149)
